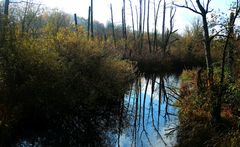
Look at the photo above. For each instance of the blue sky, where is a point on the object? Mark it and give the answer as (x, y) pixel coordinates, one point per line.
(102, 11)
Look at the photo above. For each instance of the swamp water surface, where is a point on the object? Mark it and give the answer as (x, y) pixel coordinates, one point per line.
(145, 117)
(153, 118)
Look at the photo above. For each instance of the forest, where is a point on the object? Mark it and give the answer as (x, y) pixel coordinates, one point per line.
(66, 80)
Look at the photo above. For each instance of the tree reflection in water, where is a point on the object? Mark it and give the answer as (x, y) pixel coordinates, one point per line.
(141, 118)
(89, 125)
(151, 112)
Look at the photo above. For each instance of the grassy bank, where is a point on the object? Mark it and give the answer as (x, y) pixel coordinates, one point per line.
(196, 127)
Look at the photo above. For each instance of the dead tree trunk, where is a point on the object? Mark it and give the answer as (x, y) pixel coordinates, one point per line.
(89, 20)
(148, 34)
(124, 27)
(92, 35)
(170, 31)
(1, 29)
(143, 23)
(231, 47)
(140, 18)
(233, 18)
(140, 27)
(203, 10)
(113, 30)
(124, 19)
(6, 7)
(4, 22)
(163, 26)
(155, 24)
(133, 27)
(137, 17)
(75, 20)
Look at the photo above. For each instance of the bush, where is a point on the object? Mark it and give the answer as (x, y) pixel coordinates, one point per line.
(49, 77)
(196, 126)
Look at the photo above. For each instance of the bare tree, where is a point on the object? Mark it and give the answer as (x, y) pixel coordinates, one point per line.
(3, 21)
(124, 26)
(26, 14)
(155, 23)
(231, 46)
(133, 26)
(6, 7)
(124, 29)
(89, 20)
(137, 18)
(92, 36)
(140, 18)
(164, 22)
(75, 19)
(230, 37)
(143, 23)
(167, 35)
(201, 9)
(148, 33)
(229, 43)
(113, 31)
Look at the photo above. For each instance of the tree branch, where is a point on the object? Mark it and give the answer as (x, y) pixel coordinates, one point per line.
(216, 34)
(201, 8)
(187, 7)
(208, 2)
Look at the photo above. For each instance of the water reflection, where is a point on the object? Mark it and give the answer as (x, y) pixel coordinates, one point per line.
(95, 125)
(141, 118)
(151, 112)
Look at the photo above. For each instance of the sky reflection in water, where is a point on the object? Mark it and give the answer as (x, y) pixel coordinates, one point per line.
(149, 126)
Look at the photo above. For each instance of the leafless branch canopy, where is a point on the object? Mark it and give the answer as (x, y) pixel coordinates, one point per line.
(200, 9)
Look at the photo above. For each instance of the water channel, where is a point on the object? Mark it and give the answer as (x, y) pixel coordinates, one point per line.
(153, 118)
(145, 117)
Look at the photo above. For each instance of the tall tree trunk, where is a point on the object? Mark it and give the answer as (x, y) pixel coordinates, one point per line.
(6, 7)
(113, 30)
(169, 32)
(143, 23)
(89, 21)
(140, 18)
(1, 29)
(148, 34)
(163, 26)
(208, 57)
(231, 48)
(155, 24)
(92, 35)
(233, 18)
(137, 17)
(124, 25)
(133, 27)
(4, 22)
(140, 27)
(202, 10)
(207, 43)
(75, 19)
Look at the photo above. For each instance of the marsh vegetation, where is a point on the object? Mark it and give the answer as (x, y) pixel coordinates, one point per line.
(72, 81)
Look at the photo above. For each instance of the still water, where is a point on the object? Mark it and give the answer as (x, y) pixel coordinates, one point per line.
(153, 118)
(144, 117)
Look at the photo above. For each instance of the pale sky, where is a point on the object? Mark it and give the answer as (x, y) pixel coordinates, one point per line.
(102, 10)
